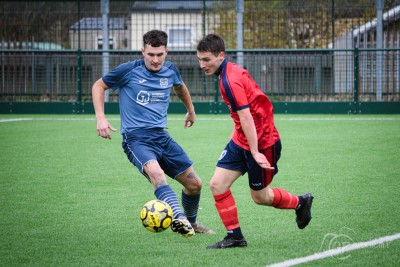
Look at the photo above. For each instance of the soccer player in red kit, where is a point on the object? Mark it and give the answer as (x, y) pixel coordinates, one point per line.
(255, 145)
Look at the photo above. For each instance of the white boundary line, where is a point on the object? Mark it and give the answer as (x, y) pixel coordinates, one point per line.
(336, 251)
(337, 119)
(16, 119)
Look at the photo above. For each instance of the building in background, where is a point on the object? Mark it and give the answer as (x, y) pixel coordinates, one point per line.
(364, 37)
(87, 34)
(183, 21)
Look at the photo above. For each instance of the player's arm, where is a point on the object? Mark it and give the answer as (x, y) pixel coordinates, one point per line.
(249, 129)
(183, 93)
(98, 89)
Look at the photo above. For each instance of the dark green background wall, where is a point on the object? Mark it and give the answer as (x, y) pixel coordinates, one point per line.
(206, 108)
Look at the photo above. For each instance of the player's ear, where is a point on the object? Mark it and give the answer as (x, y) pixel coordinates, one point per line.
(143, 51)
(166, 50)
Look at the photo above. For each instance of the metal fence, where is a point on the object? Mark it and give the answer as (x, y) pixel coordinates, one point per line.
(297, 51)
(261, 24)
(285, 75)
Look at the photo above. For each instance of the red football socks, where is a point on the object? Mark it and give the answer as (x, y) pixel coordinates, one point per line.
(284, 200)
(226, 207)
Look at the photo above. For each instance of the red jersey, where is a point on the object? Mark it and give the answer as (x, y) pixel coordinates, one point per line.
(240, 91)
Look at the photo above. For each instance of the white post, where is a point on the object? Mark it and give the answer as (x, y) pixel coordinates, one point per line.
(239, 33)
(379, 45)
(105, 9)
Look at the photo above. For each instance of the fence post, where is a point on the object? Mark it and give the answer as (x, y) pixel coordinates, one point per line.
(356, 80)
(216, 90)
(379, 53)
(79, 81)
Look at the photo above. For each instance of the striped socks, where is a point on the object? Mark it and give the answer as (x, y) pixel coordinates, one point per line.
(166, 194)
(190, 205)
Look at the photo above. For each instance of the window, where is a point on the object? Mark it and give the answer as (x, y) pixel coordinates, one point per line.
(180, 37)
(99, 43)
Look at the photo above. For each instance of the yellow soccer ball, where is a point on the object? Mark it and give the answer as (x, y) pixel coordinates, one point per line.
(156, 216)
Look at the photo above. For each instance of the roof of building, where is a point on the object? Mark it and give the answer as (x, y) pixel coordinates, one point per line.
(177, 6)
(97, 24)
(388, 17)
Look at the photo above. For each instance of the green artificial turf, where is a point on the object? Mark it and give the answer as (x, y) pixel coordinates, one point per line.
(70, 198)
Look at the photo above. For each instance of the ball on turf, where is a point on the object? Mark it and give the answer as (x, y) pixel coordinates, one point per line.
(156, 216)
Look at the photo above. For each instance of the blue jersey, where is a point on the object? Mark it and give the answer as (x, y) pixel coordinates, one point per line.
(144, 95)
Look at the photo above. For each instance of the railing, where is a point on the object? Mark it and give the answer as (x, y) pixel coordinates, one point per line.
(324, 75)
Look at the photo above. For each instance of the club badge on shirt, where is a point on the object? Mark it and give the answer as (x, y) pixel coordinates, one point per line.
(164, 82)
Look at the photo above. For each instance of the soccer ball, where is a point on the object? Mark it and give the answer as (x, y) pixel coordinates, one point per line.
(156, 216)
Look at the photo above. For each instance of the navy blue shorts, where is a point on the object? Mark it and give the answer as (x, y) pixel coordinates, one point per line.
(238, 159)
(143, 146)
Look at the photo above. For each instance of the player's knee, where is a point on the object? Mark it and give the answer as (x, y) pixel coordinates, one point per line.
(194, 186)
(193, 183)
(217, 187)
(261, 197)
(194, 189)
(155, 174)
(257, 199)
(213, 185)
(153, 170)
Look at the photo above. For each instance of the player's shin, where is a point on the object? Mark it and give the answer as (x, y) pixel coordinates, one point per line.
(284, 200)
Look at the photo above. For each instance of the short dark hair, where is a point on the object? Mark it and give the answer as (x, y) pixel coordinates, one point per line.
(211, 43)
(155, 38)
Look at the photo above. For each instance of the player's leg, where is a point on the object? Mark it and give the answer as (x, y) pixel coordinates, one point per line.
(161, 188)
(144, 154)
(262, 194)
(190, 193)
(226, 206)
(276, 197)
(230, 167)
(191, 198)
(176, 163)
(164, 192)
(281, 199)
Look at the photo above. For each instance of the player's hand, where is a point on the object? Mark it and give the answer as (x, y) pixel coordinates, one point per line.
(262, 161)
(103, 128)
(189, 119)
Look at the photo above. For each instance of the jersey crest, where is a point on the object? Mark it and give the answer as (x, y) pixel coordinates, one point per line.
(164, 82)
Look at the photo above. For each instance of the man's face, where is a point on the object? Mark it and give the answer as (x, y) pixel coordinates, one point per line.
(210, 63)
(154, 57)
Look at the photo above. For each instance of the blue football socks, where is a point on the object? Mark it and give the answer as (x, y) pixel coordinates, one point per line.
(190, 205)
(166, 194)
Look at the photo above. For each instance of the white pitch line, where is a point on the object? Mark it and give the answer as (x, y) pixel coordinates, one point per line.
(338, 119)
(336, 251)
(16, 119)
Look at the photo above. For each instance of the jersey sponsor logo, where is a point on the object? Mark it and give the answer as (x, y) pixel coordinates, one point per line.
(164, 82)
(157, 97)
(143, 98)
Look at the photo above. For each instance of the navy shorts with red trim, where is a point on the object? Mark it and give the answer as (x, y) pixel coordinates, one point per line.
(239, 159)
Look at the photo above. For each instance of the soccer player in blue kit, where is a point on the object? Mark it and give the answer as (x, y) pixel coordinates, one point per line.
(145, 86)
